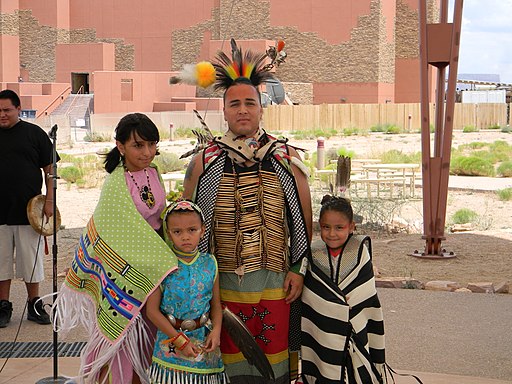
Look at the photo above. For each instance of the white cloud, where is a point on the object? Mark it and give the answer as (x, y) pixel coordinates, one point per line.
(486, 38)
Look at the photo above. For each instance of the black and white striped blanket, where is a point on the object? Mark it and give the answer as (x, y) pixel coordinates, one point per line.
(342, 326)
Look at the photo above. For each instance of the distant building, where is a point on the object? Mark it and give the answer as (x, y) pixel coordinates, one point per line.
(472, 81)
(355, 51)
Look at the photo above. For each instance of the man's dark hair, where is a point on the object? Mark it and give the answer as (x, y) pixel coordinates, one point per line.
(11, 95)
(242, 80)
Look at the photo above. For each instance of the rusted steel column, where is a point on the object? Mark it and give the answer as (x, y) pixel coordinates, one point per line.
(439, 47)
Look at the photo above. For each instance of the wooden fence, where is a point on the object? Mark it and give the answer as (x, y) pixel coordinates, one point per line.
(407, 117)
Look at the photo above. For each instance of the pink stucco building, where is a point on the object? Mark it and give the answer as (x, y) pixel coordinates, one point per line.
(339, 51)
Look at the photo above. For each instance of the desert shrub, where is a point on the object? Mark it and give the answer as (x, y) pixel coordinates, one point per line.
(66, 158)
(183, 132)
(326, 133)
(169, 162)
(474, 145)
(491, 156)
(386, 128)
(376, 213)
(87, 162)
(500, 145)
(505, 169)
(504, 194)
(351, 132)
(471, 166)
(311, 134)
(494, 126)
(95, 137)
(396, 156)
(72, 173)
(469, 129)
(506, 129)
(464, 216)
(345, 152)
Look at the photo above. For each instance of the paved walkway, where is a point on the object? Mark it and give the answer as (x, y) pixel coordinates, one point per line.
(442, 337)
(479, 183)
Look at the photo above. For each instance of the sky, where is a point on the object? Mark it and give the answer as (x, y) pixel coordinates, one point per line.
(486, 38)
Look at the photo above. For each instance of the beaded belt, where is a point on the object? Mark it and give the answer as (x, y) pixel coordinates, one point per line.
(189, 324)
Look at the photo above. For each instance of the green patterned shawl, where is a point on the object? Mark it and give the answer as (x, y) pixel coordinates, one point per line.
(119, 261)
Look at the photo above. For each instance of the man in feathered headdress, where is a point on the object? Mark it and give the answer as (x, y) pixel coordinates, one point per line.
(254, 192)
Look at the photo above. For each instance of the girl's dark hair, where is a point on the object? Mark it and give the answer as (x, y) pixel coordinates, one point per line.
(128, 125)
(338, 204)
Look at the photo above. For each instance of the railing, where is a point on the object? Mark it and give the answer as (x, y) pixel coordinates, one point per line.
(45, 111)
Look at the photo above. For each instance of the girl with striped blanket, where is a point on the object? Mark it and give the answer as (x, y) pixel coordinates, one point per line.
(342, 323)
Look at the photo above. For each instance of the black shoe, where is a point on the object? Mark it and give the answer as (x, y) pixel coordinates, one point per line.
(5, 313)
(36, 312)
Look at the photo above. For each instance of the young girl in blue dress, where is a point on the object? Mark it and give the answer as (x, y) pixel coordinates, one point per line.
(186, 309)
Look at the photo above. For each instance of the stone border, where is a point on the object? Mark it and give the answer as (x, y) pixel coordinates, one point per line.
(440, 285)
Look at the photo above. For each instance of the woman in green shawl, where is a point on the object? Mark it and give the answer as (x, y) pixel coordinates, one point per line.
(120, 259)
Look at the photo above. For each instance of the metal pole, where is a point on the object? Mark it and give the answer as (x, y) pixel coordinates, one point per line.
(55, 379)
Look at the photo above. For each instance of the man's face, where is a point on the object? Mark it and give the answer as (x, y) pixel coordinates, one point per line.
(242, 110)
(9, 114)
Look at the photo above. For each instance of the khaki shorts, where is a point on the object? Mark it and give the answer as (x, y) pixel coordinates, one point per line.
(22, 243)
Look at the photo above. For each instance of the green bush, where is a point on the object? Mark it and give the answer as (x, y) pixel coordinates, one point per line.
(471, 166)
(395, 156)
(312, 134)
(95, 137)
(491, 156)
(474, 145)
(345, 152)
(494, 126)
(386, 128)
(506, 129)
(326, 133)
(302, 135)
(469, 129)
(351, 132)
(464, 216)
(169, 162)
(71, 174)
(86, 162)
(505, 169)
(184, 133)
(502, 149)
(504, 194)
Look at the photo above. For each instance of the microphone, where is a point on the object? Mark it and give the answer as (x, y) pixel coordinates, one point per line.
(53, 132)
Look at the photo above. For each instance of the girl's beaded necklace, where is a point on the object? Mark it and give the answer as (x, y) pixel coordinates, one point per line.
(145, 192)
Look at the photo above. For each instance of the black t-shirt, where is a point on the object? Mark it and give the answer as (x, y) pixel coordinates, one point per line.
(24, 150)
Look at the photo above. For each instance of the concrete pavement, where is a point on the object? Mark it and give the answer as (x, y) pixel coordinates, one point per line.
(25, 371)
(442, 337)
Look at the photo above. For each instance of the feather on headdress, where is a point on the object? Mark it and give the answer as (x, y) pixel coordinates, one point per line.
(249, 67)
(201, 74)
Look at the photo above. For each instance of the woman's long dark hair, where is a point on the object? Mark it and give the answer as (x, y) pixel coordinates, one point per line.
(128, 125)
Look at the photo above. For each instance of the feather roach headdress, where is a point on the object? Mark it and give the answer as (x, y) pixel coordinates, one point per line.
(201, 74)
(249, 68)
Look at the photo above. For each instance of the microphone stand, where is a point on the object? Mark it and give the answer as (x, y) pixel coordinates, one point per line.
(55, 379)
